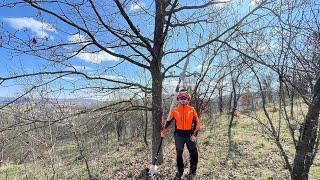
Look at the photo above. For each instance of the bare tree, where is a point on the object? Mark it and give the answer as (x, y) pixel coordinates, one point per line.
(114, 30)
(291, 55)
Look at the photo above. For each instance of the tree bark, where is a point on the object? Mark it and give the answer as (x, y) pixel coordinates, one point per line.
(156, 112)
(220, 100)
(146, 120)
(156, 74)
(308, 134)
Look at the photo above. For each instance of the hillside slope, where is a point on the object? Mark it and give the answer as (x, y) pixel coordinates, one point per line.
(251, 156)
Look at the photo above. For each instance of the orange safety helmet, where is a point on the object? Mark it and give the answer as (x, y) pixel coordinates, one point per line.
(183, 95)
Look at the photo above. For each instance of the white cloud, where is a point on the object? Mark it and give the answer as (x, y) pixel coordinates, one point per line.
(112, 77)
(79, 68)
(82, 67)
(69, 78)
(253, 2)
(136, 6)
(77, 38)
(39, 28)
(97, 57)
(223, 3)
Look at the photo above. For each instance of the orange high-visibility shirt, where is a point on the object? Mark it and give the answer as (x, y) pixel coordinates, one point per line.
(186, 117)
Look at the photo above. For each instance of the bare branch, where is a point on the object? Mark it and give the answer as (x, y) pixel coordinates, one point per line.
(199, 6)
(133, 28)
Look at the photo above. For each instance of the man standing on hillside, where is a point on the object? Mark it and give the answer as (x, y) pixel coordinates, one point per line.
(186, 129)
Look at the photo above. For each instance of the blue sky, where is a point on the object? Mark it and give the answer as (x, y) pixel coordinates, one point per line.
(23, 19)
(26, 21)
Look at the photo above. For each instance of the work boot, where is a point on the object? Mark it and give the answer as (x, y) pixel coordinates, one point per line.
(191, 176)
(178, 176)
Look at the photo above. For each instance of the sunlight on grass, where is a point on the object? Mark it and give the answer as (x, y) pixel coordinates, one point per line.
(252, 155)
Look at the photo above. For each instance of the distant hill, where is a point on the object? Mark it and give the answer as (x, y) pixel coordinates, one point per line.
(22, 100)
(6, 99)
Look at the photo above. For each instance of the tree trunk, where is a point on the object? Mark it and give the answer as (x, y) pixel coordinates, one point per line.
(156, 112)
(119, 129)
(155, 68)
(220, 101)
(146, 120)
(230, 102)
(233, 105)
(305, 151)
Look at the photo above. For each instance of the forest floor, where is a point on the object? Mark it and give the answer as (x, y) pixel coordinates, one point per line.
(250, 156)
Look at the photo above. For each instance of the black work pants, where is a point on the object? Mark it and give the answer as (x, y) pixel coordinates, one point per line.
(192, 148)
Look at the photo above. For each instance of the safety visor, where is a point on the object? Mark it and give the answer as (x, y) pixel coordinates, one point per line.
(183, 98)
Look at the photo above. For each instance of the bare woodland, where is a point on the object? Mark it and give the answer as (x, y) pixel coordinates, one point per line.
(264, 57)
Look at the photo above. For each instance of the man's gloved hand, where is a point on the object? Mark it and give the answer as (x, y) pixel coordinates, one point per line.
(164, 132)
(193, 138)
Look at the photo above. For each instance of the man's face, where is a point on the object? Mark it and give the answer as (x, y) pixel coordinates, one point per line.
(183, 100)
